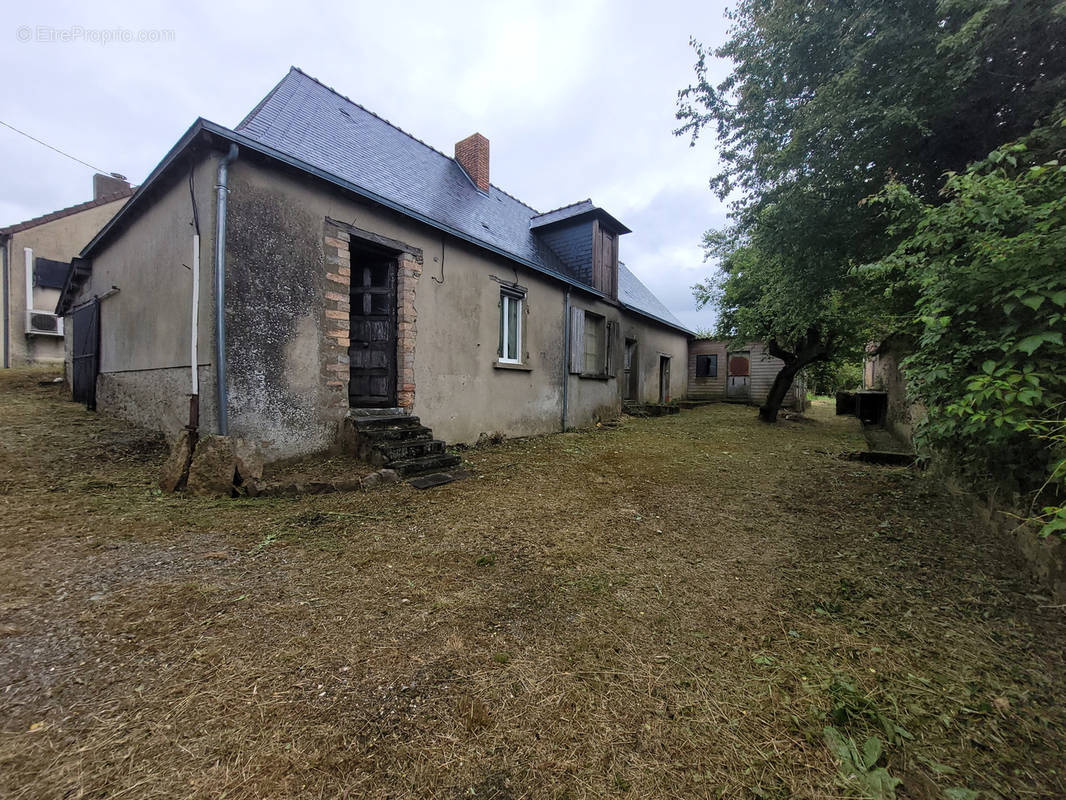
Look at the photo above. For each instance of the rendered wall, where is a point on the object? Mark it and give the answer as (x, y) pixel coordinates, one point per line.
(286, 345)
(653, 341)
(461, 390)
(145, 328)
(60, 240)
(882, 372)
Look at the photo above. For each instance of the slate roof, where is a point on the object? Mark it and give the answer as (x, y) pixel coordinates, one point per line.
(311, 122)
(309, 126)
(559, 214)
(635, 295)
(584, 209)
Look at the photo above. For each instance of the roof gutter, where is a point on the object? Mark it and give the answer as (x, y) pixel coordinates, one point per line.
(220, 289)
(654, 318)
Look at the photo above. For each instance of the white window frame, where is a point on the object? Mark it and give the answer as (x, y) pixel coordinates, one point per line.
(506, 299)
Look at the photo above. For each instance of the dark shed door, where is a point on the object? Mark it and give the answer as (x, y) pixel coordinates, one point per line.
(372, 348)
(85, 356)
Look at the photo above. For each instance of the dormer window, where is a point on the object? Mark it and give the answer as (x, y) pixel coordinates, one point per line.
(605, 260)
(585, 240)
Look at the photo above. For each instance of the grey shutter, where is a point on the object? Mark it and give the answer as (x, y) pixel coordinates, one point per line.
(577, 340)
(609, 346)
(503, 322)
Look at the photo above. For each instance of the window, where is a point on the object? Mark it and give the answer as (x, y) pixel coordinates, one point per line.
(591, 342)
(510, 328)
(595, 334)
(707, 366)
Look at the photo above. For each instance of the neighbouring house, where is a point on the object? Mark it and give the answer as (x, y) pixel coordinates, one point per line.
(883, 372)
(317, 265)
(35, 258)
(741, 372)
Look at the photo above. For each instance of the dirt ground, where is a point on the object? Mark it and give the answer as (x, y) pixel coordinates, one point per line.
(676, 607)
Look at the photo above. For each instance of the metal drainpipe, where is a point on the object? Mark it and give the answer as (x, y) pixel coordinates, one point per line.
(7, 322)
(220, 289)
(566, 355)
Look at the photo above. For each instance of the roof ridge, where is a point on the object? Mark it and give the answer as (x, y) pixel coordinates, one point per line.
(392, 125)
(52, 216)
(561, 208)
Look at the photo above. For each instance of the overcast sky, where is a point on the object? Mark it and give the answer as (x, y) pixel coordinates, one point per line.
(577, 98)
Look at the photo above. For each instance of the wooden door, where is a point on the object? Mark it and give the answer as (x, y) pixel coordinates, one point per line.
(739, 370)
(664, 379)
(632, 371)
(372, 345)
(85, 353)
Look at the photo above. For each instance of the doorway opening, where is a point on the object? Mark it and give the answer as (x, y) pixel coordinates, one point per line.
(372, 336)
(631, 384)
(664, 379)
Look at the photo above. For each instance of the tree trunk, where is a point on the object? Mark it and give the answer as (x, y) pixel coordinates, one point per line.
(812, 347)
(781, 385)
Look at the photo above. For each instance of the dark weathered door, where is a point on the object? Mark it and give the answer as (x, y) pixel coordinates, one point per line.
(372, 347)
(632, 371)
(664, 379)
(85, 353)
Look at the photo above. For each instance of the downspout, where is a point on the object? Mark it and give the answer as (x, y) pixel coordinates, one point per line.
(566, 354)
(194, 329)
(220, 289)
(7, 322)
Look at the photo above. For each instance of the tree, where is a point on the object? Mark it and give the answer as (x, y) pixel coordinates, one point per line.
(985, 268)
(826, 103)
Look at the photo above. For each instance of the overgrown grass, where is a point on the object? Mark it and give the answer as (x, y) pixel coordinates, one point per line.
(678, 607)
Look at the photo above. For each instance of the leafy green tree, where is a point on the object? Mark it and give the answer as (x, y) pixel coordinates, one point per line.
(828, 102)
(986, 270)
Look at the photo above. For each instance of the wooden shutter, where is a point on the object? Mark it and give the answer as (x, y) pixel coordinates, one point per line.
(577, 340)
(503, 323)
(609, 347)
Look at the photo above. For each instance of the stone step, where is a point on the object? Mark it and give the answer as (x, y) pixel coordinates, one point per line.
(650, 409)
(376, 436)
(390, 453)
(378, 422)
(432, 463)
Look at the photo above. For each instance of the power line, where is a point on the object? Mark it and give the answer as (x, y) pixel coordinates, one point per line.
(56, 149)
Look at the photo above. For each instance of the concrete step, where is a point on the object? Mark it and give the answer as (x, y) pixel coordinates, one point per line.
(431, 463)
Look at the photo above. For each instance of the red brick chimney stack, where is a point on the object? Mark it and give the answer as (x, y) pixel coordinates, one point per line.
(472, 153)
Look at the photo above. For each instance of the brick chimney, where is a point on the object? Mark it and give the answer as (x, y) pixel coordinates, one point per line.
(472, 153)
(104, 185)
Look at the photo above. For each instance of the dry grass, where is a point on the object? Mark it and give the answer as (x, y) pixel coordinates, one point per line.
(673, 608)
